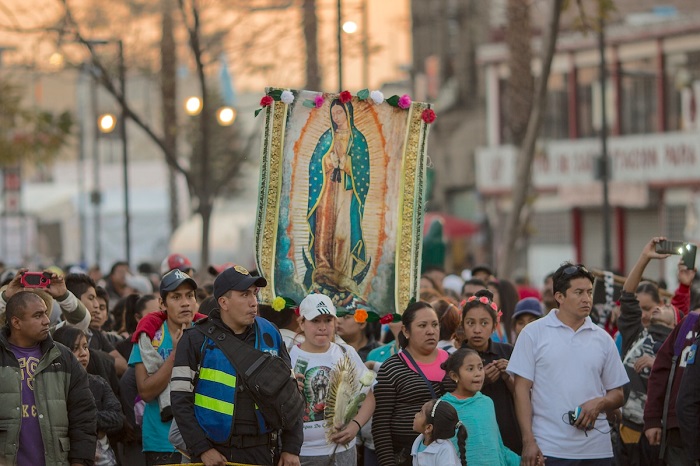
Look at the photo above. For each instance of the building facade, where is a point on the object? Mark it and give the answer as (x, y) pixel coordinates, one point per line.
(652, 91)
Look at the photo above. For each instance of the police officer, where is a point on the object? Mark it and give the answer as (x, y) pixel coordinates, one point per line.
(688, 404)
(218, 421)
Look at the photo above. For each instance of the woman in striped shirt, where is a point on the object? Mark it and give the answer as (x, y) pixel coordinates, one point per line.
(405, 382)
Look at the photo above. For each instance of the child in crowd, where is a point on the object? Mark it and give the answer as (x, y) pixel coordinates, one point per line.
(109, 410)
(313, 360)
(476, 411)
(436, 422)
(526, 311)
(480, 315)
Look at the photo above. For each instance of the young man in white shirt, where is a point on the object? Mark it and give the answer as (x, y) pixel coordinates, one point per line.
(564, 362)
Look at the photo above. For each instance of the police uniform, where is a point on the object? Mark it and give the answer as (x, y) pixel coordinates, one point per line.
(211, 407)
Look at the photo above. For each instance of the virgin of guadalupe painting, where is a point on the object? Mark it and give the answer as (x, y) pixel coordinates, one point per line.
(339, 180)
(341, 200)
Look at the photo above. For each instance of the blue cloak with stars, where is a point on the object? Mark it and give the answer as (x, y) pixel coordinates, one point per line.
(359, 183)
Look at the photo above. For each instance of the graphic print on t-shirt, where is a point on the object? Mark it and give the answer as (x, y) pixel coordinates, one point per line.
(316, 381)
(30, 431)
(28, 366)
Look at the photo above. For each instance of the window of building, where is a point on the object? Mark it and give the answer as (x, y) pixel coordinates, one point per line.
(555, 124)
(638, 99)
(586, 77)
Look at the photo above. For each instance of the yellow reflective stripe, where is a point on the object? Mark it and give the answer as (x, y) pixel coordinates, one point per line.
(213, 404)
(214, 375)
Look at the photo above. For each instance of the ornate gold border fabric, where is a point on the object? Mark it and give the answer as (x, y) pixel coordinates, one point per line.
(384, 276)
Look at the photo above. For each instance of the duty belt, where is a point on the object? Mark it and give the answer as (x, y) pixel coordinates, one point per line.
(247, 441)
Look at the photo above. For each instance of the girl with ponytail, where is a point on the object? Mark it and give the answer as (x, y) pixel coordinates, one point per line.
(476, 411)
(437, 422)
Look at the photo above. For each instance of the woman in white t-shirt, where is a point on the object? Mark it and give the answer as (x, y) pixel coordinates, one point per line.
(313, 360)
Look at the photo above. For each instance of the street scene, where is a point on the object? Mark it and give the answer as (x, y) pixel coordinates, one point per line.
(349, 232)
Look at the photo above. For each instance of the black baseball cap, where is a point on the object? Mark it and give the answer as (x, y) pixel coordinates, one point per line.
(236, 278)
(173, 279)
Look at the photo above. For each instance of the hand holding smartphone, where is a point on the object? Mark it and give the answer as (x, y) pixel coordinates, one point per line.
(35, 279)
(687, 251)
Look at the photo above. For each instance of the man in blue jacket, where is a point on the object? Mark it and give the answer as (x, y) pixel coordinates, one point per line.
(218, 421)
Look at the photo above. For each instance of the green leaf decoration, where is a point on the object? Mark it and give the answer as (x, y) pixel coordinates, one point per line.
(277, 94)
(309, 103)
(363, 94)
(289, 302)
(397, 317)
(258, 111)
(393, 101)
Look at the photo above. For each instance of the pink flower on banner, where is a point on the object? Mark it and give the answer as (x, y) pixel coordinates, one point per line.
(318, 101)
(404, 101)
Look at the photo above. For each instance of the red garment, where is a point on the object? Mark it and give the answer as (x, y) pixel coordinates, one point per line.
(150, 323)
(681, 299)
(658, 379)
(529, 292)
(611, 328)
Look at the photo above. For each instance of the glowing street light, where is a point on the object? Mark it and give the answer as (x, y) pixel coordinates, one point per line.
(107, 123)
(350, 27)
(56, 60)
(226, 116)
(193, 106)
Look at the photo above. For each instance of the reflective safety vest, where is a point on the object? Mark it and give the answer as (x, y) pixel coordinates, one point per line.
(215, 391)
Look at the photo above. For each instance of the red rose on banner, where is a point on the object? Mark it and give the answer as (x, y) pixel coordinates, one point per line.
(428, 115)
(345, 97)
(266, 101)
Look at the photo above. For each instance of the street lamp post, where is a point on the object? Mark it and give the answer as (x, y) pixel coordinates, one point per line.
(125, 151)
(122, 135)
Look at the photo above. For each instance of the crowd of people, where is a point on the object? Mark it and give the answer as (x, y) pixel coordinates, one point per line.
(139, 368)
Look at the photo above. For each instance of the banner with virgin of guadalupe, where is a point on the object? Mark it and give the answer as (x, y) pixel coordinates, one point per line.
(340, 210)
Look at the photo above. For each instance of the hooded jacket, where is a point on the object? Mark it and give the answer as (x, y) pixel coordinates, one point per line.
(64, 403)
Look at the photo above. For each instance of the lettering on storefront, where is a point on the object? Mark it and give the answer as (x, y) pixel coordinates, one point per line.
(655, 159)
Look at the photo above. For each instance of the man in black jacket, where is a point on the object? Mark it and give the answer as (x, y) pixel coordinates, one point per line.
(688, 404)
(206, 389)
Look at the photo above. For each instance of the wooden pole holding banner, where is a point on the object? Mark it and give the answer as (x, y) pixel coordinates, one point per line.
(620, 280)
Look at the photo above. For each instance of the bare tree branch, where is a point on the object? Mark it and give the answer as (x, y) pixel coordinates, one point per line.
(237, 162)
(109, 85)
(526, 154)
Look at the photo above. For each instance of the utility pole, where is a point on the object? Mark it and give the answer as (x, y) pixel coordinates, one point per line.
(604, 159)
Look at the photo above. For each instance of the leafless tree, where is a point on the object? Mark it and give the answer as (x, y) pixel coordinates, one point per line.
(526, 151)
(210, 170)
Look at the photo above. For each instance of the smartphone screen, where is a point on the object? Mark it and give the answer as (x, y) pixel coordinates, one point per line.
(670, 247)
(688, 256)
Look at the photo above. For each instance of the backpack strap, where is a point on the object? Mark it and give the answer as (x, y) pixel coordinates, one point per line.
(244, 358)
(420, 372)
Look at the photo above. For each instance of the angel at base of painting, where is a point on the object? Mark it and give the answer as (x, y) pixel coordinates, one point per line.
(339, 178)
